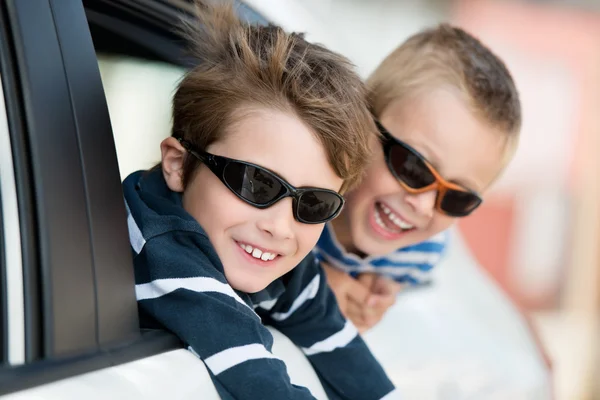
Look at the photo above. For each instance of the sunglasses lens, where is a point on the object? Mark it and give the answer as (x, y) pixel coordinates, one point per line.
(252, 184)
(409, 168)
(260, 187)
(459, 203)
(316, 206)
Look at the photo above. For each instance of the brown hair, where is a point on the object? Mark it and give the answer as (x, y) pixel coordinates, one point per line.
(447, 55)
(251, 65)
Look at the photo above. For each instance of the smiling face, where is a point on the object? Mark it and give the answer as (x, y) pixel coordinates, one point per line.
(380, 216)
(256, 246)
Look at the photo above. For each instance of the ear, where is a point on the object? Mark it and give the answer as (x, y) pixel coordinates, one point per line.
(173, 156)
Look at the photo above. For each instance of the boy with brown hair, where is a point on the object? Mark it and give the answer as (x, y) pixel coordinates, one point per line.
(450, 117)
(268, 130)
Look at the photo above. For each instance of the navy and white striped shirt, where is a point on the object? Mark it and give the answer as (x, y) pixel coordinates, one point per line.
(411, 264)
(181, 287)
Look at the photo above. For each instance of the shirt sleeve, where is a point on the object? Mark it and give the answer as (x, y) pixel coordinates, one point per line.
(182, 288)
(308, 314)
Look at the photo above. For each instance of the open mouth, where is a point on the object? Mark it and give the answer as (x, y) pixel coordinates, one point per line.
(387, 219)
(259, 254)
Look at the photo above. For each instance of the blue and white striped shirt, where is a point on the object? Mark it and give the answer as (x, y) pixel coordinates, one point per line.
(411, 265)
(181, 287)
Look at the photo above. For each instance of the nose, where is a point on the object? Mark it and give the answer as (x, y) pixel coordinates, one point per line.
(278, 220)
(423, 204)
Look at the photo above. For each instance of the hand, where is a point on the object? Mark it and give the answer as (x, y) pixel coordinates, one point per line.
(383, 293)
(345, 287)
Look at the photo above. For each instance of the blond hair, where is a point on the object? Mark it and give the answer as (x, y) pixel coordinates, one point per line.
(250, 65)
(447, 55)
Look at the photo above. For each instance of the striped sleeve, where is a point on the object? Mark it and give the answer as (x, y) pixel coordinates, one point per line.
(308, 314)
(180, 288)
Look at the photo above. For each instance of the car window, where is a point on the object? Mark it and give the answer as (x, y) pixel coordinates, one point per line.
(12, 350)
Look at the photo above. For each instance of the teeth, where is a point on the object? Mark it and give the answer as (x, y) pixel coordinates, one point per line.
(258, 253)
(402, 224)
(378, 218)
(393, 217)
(379, 221)
(268, 256)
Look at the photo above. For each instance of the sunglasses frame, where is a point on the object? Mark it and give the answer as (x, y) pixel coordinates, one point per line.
(440, 184)
(218, 164)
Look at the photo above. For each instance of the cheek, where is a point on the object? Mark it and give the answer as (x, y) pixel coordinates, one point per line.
(377, 182)
(223, 213)
(212, 204)
(440, 223)
(307, 236)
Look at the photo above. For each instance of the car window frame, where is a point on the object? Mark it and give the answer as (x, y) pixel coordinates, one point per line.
(66, 287)
(152, 25)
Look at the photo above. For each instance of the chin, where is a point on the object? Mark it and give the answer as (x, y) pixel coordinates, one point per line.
(366, 244)
(372, 246)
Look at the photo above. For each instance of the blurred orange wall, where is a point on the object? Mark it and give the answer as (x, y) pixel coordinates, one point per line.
(502, 235)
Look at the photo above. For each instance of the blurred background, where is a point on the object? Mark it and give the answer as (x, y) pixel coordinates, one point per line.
(537, 233)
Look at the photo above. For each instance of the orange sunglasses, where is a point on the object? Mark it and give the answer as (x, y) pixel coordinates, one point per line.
(416, 175)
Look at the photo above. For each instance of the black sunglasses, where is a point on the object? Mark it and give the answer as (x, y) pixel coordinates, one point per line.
(417, 175)
(262, 188)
